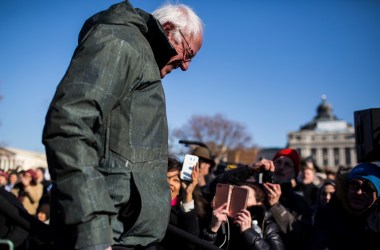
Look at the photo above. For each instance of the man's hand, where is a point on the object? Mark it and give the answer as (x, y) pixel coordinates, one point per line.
(263, 164)
(273, 192)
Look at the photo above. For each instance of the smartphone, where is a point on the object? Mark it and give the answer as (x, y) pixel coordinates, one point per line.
(188, 164)
(222, 194)
(235, 197)
(238, 200)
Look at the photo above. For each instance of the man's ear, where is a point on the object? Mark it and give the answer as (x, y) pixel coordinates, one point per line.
(168, 28)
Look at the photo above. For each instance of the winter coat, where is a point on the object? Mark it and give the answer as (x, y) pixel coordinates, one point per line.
(337, 226)
(186, 221)
(294, 217)
(292, 213)
(106, 134)
(28, 196)
(249, 239)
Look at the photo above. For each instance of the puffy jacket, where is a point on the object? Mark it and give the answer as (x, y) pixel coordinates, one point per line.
(108, 118)
(249, 239)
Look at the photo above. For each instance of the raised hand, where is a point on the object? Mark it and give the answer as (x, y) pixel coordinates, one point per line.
(273, 192)
(188, 187)
(219, 216)
(243, 219)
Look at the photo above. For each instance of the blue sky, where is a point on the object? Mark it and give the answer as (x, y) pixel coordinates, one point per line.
(264, 63)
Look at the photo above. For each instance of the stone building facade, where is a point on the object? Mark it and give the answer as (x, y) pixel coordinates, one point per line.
(18, 159)
(327, 140)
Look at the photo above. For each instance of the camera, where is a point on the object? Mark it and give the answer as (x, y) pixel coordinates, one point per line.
(266, 176)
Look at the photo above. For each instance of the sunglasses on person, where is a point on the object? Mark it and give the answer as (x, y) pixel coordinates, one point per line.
(366, 186)
(189, 53)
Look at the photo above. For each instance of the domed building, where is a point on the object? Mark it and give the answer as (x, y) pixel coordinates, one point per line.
(329, 141)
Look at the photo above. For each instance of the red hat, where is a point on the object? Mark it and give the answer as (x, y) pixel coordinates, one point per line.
(2, 173)
(32, 173)
(292, 154)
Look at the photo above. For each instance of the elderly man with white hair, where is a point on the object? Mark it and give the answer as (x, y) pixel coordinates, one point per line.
(106, 134)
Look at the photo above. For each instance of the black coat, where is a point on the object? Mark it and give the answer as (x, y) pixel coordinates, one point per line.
(294, 217)
(186, 221)
(232, 238)
(292, 213)
(338, 227)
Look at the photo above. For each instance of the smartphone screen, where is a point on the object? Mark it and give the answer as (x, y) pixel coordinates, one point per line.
(238, 200)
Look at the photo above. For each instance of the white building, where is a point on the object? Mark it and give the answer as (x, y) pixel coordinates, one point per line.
(12, 158)
(328, 140)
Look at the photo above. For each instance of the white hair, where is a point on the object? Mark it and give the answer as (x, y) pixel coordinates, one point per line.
(182, 17)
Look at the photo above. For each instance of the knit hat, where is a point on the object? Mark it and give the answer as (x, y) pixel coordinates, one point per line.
(2, 173)
(369, 172)
(32, 173)
(204, 154)
(292, 154)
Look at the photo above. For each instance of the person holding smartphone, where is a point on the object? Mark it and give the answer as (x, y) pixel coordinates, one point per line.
(235, 231)
(291, 212)
(184, 206)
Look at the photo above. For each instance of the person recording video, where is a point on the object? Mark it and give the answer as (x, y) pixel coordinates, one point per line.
(290, 210)
(235, 230)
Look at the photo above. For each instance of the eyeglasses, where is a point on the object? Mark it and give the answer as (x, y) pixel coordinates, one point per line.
(189, 51)
(366, 186)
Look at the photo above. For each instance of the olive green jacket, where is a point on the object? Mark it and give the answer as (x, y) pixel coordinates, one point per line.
(109, 109)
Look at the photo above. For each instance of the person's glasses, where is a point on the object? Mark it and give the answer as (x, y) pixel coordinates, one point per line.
(366, 186)
(189, 53)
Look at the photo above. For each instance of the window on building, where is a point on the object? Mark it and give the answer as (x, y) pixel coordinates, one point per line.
(314, 153)
(347, 152)
(336, 156)
(325, 157)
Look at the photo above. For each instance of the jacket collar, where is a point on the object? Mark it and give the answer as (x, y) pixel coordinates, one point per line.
(162, 49)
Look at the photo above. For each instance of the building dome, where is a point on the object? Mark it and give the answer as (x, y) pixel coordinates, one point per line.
(329, 141)
(324, 113)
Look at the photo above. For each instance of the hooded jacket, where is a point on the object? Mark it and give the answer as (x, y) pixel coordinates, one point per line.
(337, 226)
(108, 119)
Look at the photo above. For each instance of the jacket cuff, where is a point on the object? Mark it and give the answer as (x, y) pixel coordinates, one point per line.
(278, 210)
(208, 235)
(187, 207)
(94, 234)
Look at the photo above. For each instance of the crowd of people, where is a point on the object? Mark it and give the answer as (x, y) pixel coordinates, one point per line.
(32, 189)
(295, 207)
(113, 185)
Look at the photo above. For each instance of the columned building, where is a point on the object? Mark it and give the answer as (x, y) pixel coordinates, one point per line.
(18, 159)
(329, 141)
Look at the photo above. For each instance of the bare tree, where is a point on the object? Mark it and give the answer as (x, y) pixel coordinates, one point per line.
(217, 132)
